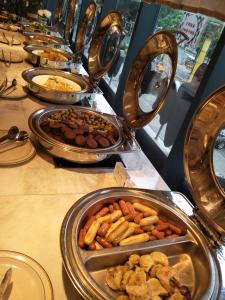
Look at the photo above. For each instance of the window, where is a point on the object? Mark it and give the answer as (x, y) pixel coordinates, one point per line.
(64, 11)
(193, 57)
(76, 19)
(92, 27)
(128, 10)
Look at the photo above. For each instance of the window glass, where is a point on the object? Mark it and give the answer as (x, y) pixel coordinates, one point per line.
(128, 10)
(76, 19)
(193, 57)
(91, 27)
(64, 11)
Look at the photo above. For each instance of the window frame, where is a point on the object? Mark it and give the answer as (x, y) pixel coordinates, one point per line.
(170, 167)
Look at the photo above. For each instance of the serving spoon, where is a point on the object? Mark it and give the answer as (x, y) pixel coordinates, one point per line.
(12, 85)
(11, 135)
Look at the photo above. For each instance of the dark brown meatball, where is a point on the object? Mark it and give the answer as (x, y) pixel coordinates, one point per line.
(91, 142)
(111, 139)
(102, 141)
(69, 135)
(80, 140)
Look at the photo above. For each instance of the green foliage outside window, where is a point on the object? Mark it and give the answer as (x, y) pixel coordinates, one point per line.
(169, 18)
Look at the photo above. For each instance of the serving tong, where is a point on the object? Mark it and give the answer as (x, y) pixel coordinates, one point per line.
(9, 89)
(10, 43)
(7, 62)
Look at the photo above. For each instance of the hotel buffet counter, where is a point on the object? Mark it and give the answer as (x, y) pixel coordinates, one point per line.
(35, 196)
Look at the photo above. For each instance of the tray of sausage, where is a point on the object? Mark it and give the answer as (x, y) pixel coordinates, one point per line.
(124, 223)
(112, 241)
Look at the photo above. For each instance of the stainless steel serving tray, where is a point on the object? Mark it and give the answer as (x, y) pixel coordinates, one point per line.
(78, 154)
(43, 39)
(53, 96)
(87, 269)
(37, 60)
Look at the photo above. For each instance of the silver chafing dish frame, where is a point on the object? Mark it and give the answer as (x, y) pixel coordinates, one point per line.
(38, 60)
(60, 97)
(126, 142)
(51, 40)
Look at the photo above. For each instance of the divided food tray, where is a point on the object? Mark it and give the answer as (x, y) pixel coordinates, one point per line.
(87, 268)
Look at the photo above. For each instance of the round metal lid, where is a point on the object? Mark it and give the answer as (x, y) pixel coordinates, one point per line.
(58, 11)
(149, 79)
(70, 18)
(198, 159)
(86, 28)
(105, 45)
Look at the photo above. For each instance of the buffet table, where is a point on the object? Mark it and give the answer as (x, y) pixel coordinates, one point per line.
(35, 196)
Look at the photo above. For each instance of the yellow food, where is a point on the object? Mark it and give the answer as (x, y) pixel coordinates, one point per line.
(52, 55)
(145, 209)
(135, 239)
(126, 234)
(114, 226)
(111, 217)
(98, 246)
(149, 221)
(118, 232)
(137, 280)
(159, 258)
(61, 84)
(92, 231)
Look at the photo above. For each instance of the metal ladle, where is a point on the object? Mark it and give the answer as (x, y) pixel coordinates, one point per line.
(11, 135)
(22, 136)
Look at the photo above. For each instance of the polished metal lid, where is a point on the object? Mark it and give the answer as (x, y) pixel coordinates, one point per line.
(71, 8)
(202, 159)
(149, 79)
(105, 45)
(86, 28)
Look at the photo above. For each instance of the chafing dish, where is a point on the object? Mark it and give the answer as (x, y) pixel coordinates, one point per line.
(110, 28)
(134, 116)
(104, 46)
(36, 59)
(87, 269)
(43, 39)
(124, 143)
(57, 96)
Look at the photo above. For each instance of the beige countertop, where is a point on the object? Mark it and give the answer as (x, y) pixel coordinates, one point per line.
(35, 196)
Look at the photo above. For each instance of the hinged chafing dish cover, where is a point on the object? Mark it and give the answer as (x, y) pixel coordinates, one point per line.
(149, 79)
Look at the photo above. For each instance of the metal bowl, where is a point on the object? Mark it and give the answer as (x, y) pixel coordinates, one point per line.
(43, 39)
(69, 152)
(87, 269)
(57, 96)
(38, 60)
